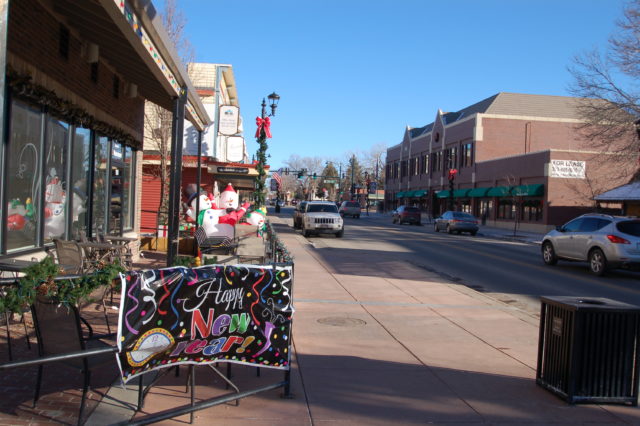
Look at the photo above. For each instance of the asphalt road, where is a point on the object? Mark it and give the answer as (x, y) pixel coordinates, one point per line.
(512, 272)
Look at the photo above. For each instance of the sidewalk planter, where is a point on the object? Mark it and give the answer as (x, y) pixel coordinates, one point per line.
(588, 350)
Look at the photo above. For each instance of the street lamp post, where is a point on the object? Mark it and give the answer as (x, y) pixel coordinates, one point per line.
(262, 134)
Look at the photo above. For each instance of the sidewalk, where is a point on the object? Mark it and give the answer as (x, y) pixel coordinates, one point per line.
(392, 344)
(375, 342)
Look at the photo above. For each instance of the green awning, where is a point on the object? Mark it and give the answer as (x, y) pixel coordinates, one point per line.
(420, 193)
(460, 193)
(498, 191)
(478, 192)
(535, 190)
(400, 194)
(408, 194)
(442, 194)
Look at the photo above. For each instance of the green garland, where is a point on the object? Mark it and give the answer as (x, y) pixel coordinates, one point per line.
(39, 279)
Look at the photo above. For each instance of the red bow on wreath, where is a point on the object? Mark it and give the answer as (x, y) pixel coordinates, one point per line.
(263, 123)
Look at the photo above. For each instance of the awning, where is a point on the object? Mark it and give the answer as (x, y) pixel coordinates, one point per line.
(400, 194)
(535, 190)
(442, 194)
(478, 192)
(460, 193)
(420, 193)
(408, 194)
(498, 191)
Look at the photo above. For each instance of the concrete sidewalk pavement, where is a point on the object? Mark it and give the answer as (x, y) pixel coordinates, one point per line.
(392, 343)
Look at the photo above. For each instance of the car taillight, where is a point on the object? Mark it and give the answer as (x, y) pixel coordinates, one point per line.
(617, 240)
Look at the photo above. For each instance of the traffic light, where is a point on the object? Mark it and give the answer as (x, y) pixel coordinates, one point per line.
(314, 176)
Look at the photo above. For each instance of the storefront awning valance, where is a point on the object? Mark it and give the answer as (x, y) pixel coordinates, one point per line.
(535, 190)
(460, 193)
(498, 191)
(478, 192)
(442, 194)
(408, 194)
(420, 193)
(400, 194)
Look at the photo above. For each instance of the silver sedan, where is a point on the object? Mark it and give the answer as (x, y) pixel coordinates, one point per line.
(456, 222)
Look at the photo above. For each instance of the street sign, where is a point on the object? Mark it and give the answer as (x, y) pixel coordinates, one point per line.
(373, 187)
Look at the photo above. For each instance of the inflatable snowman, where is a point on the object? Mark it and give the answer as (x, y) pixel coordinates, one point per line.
(193, 196)
(55, 199)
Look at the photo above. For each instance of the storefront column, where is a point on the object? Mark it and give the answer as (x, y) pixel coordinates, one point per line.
(4, 21)
(175, 187)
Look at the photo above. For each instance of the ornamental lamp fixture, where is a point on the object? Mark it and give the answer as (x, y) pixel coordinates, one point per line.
(273, 102)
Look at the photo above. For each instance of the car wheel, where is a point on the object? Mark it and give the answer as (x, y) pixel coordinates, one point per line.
(597, 262)
(393, 220)
(435, 227)
(418, 224)
(340, 233)
(449, 230)
(305, 233)
(549, 254)
(358, 217)
(473, 233)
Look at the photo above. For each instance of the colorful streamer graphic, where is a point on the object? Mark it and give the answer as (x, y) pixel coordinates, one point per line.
(214, 313)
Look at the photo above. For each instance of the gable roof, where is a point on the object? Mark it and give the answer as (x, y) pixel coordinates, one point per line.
(628, 192)
(514, 104)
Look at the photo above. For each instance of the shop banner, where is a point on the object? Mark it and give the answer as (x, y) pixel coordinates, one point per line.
(215, 313)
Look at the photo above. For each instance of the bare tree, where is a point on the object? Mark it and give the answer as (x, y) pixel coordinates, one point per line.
(610, 108)
(157, 120)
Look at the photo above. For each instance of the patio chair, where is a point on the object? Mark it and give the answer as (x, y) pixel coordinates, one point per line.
(74, 260)
(59, 330)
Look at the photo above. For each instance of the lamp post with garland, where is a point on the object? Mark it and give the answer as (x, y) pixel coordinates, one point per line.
(263, 132)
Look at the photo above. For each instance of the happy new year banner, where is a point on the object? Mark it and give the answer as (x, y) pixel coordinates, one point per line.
(239, 313)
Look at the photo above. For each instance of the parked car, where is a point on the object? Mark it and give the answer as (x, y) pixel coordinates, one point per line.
(604, 241)
(406, 214)
(322, 217)
(458, 222)
(297, 214)
(350, 208)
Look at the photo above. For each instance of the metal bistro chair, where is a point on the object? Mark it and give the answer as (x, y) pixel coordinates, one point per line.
(59, 331)
(75, 261)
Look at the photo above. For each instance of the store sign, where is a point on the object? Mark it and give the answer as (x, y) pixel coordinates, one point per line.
(567, 169)
(229, 115)
(235, 170)
(235, 149)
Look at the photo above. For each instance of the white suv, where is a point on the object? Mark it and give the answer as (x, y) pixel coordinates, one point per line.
(322, 217)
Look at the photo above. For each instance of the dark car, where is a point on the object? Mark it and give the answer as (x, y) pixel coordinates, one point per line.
(406, 214)
(456, 222)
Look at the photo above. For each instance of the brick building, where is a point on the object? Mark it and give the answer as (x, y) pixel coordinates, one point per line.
(517, 157)
(77, 75)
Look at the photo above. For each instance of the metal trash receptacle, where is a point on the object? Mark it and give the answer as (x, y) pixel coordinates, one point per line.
(588, 349)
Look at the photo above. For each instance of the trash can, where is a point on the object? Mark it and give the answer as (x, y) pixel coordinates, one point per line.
(588, 349)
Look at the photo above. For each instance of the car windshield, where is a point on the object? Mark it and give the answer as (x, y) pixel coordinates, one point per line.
(631, 227)
(324, 208)
(412, 210)
(353, 204)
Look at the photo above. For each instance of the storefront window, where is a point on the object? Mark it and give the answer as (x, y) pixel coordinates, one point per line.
(80, 166)
(532, 210)
(23, 171)
(506, 209)
(100, 189)
(117, 181)
(56, 182)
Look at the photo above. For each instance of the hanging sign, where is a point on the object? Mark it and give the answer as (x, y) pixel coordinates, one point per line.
(228, 120)
(235, 149)
(240, 314)
(234, 170)
(567, 169)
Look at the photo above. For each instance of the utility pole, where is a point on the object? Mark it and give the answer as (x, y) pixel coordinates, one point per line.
(353, 188)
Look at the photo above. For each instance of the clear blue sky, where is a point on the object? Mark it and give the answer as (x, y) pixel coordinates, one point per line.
(354, 73)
